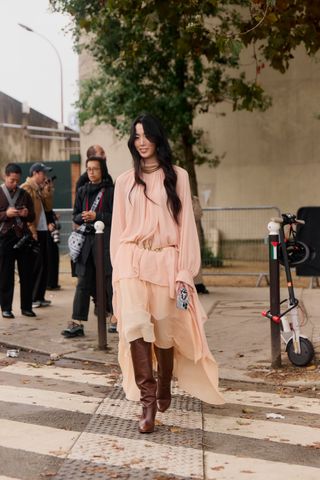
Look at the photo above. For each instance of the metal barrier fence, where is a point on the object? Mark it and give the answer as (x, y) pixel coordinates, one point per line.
(65, 219)
(235, 240)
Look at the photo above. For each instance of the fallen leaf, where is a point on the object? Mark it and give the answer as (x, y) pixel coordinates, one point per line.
(243, 422)
(315, 445)
(248, 410)
(175, 430)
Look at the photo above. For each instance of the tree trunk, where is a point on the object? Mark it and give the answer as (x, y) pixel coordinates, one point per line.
(190, 167)
(189, 161)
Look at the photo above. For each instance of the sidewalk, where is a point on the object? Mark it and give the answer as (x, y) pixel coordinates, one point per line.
(238, 336)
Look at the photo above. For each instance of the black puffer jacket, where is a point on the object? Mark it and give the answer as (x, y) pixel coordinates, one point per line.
(84, 199)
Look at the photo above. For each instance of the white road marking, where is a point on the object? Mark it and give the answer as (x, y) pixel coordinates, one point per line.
(230, 467)
(36, 438)
(59, 373)
(275, 431)
(2, 477)
(272, 401)
(49, 399)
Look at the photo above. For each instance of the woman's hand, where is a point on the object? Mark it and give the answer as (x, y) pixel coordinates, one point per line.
(180, 285)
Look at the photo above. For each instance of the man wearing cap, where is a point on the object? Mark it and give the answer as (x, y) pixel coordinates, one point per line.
(40, 191)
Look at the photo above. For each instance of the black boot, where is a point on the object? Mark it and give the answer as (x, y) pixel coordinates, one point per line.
(141, 353)
(165, 367)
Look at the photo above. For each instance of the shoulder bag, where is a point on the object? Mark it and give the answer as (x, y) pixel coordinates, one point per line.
(77, 237)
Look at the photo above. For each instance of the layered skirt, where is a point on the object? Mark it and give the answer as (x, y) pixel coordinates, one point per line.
(147, 310)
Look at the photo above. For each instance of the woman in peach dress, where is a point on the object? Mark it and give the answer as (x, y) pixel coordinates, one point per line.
(155, 252)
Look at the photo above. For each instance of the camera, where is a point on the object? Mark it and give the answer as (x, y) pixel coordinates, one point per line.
(28, 242)
(55, 234)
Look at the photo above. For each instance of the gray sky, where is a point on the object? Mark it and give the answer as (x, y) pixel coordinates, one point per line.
(29, 66)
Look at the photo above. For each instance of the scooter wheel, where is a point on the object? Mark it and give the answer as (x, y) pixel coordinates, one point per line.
(298, 253)
(306, 355)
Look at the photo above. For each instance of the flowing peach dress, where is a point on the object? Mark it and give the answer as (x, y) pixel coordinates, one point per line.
(149, 254)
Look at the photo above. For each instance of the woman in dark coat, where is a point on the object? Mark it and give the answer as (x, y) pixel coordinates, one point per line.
(85, 267)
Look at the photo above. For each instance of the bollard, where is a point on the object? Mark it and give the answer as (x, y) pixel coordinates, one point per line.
(274, 273)
(100, 286)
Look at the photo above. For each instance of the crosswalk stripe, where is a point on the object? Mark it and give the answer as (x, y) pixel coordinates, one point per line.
(49, 399)
(139, 455)
(42, 440)
(2, 477)
(272, 400)
(59, 373)
(263, 430)
(230, 467)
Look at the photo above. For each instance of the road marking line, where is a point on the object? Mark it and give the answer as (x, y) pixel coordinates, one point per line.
(2, 477)
(272, 401)
(59, 373)
(36, 438)
(275, 431)
(49, 399)
(230, 467)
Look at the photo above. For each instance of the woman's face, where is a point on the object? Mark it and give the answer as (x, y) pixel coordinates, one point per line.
(145, 148)
(94, 171)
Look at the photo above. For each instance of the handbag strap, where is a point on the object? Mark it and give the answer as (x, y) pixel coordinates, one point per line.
(12, 200)
(82, 227)
(96, 200)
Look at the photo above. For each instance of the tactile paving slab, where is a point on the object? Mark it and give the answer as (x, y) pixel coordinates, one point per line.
(112, 447)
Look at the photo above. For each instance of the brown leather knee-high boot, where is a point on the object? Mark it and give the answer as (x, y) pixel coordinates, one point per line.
(165, 367)
(141, 353)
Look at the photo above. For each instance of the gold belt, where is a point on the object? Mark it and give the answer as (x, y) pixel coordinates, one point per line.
(145, 245)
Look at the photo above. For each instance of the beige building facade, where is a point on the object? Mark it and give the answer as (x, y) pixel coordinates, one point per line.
(271, 158)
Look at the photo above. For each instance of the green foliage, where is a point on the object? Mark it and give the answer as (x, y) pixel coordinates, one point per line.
(209, 259)
(178, 59)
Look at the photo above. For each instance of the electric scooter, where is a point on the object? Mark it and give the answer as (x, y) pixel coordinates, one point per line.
(291, 252)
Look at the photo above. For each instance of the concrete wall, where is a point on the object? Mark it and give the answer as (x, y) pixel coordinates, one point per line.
(17, 144)
(272, 158)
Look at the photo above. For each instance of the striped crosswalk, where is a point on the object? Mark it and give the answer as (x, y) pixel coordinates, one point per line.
(68, 422)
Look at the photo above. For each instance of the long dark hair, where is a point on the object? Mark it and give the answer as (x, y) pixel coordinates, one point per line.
(154, 132)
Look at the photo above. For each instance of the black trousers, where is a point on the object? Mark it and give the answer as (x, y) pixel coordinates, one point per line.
(40, 270)
(25, 260)
(86, 288)
(53, 263)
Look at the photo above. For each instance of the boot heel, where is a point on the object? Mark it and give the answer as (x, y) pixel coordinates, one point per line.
(146, 423)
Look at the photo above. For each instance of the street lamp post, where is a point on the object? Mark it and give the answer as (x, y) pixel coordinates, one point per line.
(60, 64)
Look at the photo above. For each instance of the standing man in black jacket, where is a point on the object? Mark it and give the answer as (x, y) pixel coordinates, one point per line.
(16, 209)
